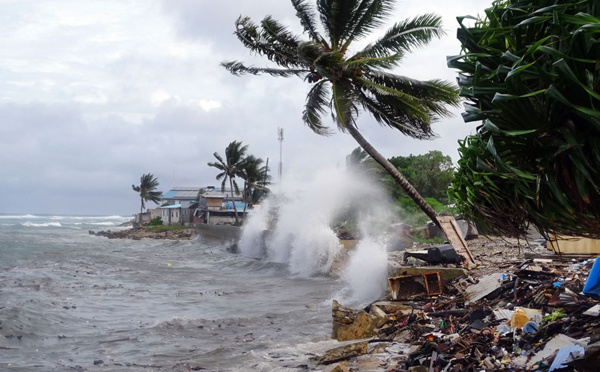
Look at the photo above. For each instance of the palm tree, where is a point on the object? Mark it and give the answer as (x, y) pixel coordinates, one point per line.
(230, 168)
(255, 178)
(347, 82)
(147, 187)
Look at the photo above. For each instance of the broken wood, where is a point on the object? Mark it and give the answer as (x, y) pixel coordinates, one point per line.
(453, 233)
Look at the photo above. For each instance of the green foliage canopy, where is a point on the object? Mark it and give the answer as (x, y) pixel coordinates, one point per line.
(531, 72)
(429, 173)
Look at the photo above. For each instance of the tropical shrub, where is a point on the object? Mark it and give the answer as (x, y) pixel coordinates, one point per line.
(531, 73)
(155, 222)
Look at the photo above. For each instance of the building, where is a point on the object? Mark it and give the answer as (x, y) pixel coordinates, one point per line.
(198, 205)
(181, 195)
(216, 208)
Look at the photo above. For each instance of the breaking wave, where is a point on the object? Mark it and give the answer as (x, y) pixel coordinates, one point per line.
(48, 224)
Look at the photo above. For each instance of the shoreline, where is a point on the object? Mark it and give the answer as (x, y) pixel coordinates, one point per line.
(138, 234)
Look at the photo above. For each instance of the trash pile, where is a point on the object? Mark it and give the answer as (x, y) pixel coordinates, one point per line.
(538, 315)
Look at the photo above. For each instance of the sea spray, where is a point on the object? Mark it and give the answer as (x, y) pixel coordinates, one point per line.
(252, 241)
(301, 234)
(366, 272)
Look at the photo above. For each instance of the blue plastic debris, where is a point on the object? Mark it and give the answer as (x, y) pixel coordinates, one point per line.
(556, 285)
(530, 327)
(563, 355)
(592, 284)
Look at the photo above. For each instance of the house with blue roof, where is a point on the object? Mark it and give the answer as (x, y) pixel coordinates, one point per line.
(195, 205)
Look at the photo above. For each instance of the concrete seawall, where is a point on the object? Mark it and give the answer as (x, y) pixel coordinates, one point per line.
(219, 233)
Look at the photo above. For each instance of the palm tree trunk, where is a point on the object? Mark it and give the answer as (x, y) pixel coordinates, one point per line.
(389, 167)
(245, 199)
(233, 201)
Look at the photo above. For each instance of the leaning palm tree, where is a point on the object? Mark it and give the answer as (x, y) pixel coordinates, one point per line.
(230, 167)
(147, 187)
(347, 82)
(255, 178)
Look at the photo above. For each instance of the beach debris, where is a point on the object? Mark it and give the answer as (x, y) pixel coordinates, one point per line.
(454, 235)
(409, 286)
(530, 316)
(443, 254)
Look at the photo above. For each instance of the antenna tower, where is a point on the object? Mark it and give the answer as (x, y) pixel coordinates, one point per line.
(280, 138)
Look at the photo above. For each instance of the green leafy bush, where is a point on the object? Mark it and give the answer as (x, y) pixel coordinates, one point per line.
(530, 73)
(156, 221)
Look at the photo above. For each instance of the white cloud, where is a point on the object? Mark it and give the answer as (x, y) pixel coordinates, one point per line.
(95, 93)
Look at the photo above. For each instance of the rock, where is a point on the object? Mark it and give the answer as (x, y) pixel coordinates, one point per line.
(381, 316)
(338, 367)
(98, 361)
(348, 325)
(347, 351)
(404, 336)
(370, 363)
(378, 348)
(399, 309)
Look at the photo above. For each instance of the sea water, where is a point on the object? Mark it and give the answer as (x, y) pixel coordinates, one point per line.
(69, 300)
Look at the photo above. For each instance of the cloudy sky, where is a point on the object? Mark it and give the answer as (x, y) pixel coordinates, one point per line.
(93, 94)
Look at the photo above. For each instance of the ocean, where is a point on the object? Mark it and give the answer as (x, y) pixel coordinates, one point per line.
(70, 301)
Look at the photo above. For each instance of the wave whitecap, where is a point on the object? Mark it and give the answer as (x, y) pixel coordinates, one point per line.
(24, 216)
(31, 224)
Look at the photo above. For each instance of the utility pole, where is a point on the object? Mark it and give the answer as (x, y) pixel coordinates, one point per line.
(280, 172)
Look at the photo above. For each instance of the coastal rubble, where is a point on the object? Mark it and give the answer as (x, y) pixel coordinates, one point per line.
(513, 315)
(141, 233)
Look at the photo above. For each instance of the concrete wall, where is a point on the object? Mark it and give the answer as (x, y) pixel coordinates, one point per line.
(220, 220)
(220, 233)
(214, 203)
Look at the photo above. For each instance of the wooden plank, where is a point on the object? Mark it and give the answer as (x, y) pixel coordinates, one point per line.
(454, 235)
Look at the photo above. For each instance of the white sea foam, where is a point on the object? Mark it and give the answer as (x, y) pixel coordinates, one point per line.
(303, 238)
(19, 217)
(102, 223)
(48, 224)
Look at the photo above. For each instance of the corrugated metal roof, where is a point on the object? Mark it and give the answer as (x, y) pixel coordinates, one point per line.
(187, 194)
(171, 206)
(169, 194)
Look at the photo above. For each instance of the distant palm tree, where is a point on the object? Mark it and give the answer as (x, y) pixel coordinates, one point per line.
(147, 187)
(255, 178)
(230, 167)
(344, 82)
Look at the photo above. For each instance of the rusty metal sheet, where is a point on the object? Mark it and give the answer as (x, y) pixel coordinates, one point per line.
(407, 286)
(486, 285)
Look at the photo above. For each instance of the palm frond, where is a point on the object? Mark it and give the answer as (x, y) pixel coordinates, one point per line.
(274, 42)
(375, 63)
(368, 16)
(406, 35)
(220, 159)
(307, 19)
(335, 15)
(309, 51)
(275, 33)
(342, 104)
(436, 90)
(316, 102)
(401, 111)
(239, 69)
